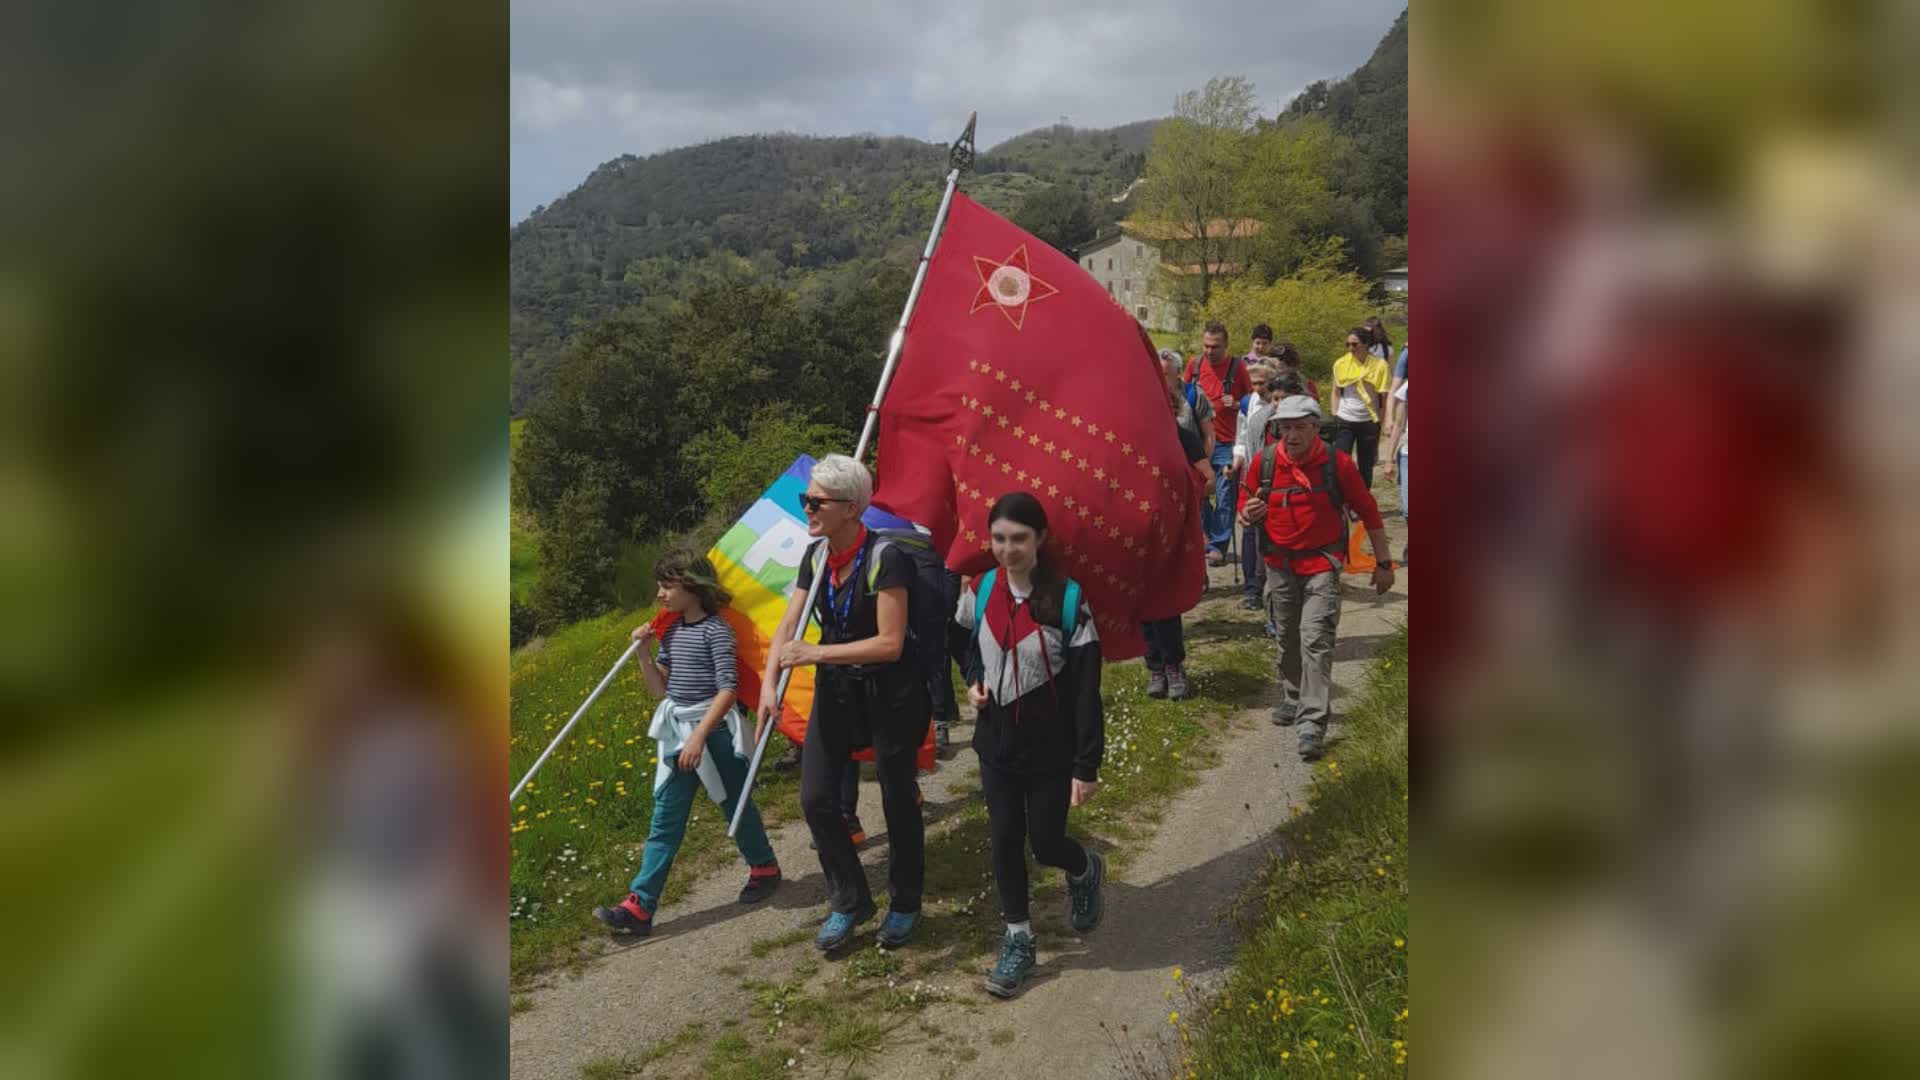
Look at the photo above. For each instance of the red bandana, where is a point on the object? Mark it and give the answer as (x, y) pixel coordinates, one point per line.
(837, 563)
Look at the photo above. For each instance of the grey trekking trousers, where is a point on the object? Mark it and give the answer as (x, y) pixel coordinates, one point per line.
(1306, 612)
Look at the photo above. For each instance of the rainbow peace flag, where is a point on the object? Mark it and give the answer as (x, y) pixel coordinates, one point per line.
(758, 560)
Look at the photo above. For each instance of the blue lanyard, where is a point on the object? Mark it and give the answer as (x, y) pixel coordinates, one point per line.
(842, 612)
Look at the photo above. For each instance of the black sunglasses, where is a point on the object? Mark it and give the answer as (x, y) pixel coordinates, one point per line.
(813, 503)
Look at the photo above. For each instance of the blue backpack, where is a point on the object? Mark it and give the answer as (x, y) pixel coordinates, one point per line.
(1069, 604)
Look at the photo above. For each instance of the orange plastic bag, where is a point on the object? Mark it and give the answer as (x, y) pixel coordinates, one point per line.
(1359, 551)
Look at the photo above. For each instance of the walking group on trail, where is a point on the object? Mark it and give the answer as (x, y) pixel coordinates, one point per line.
(1025, 638)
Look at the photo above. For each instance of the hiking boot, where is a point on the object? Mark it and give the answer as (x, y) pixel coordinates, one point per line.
(1016, 960)
(1085, 896)
(1216, 557)
(1311, 747)
(839, 927)
(1285, 713)
(1250, 603)
(1271, 630)
(761, 881)
(1156, 684)
(627, 918)
(942, 740)
(897, 927)
(1176, 683)
(790, 759)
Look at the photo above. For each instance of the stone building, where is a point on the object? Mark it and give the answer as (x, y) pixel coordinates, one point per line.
(1128, 264)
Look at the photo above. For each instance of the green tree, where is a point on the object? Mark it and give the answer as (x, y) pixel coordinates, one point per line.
(734, 470)
(579, 553)
(1062, 216)
(1287, 184)
(1314, 308)
(1195, 173)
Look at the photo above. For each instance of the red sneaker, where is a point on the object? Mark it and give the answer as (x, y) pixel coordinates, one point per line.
(761, 881)
(627, 918)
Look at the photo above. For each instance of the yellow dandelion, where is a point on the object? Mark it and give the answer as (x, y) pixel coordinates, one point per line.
(1173, 1017)
(1379, 871)
(1400, 943)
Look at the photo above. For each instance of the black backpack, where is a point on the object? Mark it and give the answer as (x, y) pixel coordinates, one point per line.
(931, 595)
(1329, 483)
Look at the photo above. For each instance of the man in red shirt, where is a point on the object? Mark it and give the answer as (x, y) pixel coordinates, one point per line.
(1222, 380)
(1299, 490)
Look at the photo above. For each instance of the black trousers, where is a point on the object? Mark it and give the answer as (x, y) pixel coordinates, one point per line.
(1166, 643)
(824, 766)
(1022, 811)
(1361, 440)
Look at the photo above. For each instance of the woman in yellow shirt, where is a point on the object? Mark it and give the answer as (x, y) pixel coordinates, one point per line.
(1359, 385)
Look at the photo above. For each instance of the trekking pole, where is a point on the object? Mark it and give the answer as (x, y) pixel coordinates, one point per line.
(577, 714)
(959, 158)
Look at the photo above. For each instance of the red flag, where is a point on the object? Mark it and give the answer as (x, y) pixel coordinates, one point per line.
(1020, 372)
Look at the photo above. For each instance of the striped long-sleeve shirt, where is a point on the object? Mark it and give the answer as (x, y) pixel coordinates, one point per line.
(699, 658)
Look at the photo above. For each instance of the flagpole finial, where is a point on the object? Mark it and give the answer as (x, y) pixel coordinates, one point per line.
(960, 155)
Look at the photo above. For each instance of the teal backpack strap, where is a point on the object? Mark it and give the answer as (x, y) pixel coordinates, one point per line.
(981, 590)
(1069, 611)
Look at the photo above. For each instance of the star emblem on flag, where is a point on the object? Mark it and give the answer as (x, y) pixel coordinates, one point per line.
(1009, 285)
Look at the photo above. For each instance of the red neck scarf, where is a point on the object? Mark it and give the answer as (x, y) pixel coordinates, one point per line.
(1010, 621)
(837, 563)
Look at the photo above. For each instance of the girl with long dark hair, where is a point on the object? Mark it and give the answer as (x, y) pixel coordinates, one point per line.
(1033, 675)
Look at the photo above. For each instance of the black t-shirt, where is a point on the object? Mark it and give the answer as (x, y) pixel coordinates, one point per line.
(898, 693)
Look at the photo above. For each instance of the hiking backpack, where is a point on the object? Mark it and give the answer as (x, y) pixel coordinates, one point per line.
(1329, 483)
(930, 599)
(1193, 379)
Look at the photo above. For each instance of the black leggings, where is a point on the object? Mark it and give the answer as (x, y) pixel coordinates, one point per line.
(1024, 810)
(1361, 440)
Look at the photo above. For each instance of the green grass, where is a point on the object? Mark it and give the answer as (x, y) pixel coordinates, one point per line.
(605, 1069)
(673, 1044)
(764, 946)
(734, 1058)
(578, 829)
(1321, 976)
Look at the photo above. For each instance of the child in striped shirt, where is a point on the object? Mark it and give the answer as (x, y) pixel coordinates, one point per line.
(696, 681)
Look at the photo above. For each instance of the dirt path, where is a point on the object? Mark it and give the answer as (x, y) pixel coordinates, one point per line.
(1166, 909)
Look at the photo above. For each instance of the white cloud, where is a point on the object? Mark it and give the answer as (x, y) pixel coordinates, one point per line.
(593, 79)
(540, 105)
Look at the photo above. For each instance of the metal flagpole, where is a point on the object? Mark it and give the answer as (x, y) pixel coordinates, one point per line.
(578, 713)
(959, 159)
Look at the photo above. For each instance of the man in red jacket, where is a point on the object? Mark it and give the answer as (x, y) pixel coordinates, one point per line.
(1299, 490)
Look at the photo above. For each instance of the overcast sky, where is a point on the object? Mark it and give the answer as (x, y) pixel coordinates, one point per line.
(594, 79)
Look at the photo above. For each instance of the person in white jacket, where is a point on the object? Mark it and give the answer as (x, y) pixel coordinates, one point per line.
(1247, 440)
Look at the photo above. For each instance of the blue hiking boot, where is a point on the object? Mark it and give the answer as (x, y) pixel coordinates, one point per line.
(1016, 960)
(839, 927)
(897, 927)
(1084, 895)
(1285, 713)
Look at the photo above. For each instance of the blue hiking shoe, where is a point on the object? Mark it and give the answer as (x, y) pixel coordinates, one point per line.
(1312, 746)
(1016, 960)
(839, 927)
(1084, 895)
(897, 927)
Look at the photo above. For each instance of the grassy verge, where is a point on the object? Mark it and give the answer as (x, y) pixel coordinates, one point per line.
(578, 828)
(1320, 983)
